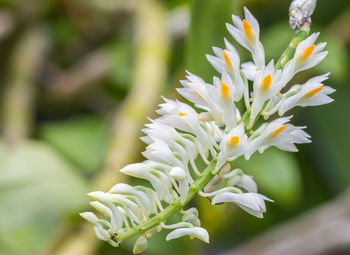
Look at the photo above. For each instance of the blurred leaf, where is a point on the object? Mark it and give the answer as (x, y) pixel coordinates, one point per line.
(119, 53)
(222, 215)
(329, 152)
(82, 140)
(337, 60)
(275, 39)
(277, 174)
(207, 29)
(38, 187)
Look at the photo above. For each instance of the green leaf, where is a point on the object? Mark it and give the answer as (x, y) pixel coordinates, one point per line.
(277, 174)
(207, 29)
(37, 188)
(337, 60)
(275, 39)
(82, 140)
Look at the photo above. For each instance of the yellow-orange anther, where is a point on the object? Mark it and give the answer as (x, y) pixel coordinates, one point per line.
(234, 140)
(313, 92)
(278, 131)
(227, 60)
(182, 114)
(266, 82)
(196, 92)
(248, 31)
(307, 52)
(225, 91)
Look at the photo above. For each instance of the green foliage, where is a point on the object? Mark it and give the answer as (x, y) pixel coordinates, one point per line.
(277, 174)
(37, 188)
(207, 29)
(82, 140)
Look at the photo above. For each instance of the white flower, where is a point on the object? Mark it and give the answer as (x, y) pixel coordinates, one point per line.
(193, 232)
(122, 188)
(228, 61)
(217, 99)
(252, 203)
(182, 144)
(233, 145)
(248, 68)
(191, 216)
(195, 90)
(247, 34)
(266, 84)
(183, 117)
(158, 179)
(100, 232)
(219, 131)
(237, 178)
(306, 56)
(311, 93)
(276, 133)
(179, 175)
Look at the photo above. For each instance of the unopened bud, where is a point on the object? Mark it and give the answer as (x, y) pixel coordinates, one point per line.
(205, 116)
(178, 173)
(140, 245)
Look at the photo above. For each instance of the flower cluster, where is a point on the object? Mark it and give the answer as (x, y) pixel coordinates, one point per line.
(215, 133)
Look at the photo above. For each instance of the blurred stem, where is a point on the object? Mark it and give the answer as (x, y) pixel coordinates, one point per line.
(19, 92)
(322, 230)
(290, 50)
(87, 71)
(151, 50)
(340, 28)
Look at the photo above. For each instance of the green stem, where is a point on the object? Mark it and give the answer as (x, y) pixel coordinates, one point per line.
(290, 50)
(175, 206)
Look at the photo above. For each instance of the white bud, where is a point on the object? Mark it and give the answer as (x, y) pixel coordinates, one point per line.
(140, 245)
(178, 173)
(89, 216)
(101, 208)
(213, 183)
(151, 232)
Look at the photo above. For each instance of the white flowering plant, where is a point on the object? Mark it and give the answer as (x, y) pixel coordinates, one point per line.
(214, 132)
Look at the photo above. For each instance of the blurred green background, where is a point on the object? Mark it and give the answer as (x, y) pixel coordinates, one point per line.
(79, 77)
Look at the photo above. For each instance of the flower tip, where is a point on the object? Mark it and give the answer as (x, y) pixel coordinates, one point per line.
(94, 194)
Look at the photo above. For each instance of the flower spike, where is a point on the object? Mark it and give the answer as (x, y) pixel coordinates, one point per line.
(215, 132)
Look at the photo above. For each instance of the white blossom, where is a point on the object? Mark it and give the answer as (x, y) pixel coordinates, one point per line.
(223, 125)
(312, 93)
(193, 232)
(252, 203)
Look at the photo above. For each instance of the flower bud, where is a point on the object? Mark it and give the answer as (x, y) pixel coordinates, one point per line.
(140, 245)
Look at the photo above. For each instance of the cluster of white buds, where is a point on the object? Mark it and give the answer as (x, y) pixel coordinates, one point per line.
(300, 12)
(216, 133)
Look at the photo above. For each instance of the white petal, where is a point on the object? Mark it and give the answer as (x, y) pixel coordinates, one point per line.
(217, 63)
(178, 173)
(248, 68)
(194, 232)
(123, 188)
